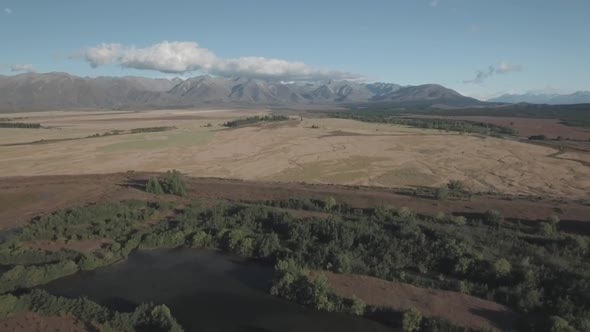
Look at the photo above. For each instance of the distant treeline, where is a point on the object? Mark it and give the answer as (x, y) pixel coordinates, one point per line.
(20, 125)
(441, 124)
(132, 131)
(255, 119)
(571, 115)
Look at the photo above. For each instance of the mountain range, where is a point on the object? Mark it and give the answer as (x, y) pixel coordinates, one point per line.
(579, 97)
(50, 91)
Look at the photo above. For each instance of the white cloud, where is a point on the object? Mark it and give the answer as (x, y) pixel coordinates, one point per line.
(183, 57)
(434, 3)
(502, 68)
(506, 67)
(27, 68)
(8, 11)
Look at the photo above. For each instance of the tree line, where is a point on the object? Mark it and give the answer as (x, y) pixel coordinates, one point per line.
(440, 124)
(255, 119)
(20, 125)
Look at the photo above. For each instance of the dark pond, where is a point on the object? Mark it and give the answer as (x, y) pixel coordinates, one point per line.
(205, 290)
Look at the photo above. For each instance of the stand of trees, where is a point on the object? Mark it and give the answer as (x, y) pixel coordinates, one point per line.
(146, 317)
(170, 183)
(441, 124)
(537, 270)
(255, 119)
(20, 125)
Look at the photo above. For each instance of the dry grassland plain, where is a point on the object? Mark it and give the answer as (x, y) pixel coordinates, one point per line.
(339, 151)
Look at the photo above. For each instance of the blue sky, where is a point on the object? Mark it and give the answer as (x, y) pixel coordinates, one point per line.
(478, 47)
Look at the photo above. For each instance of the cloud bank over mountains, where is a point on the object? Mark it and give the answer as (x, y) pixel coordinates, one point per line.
(176, 57)
(502, 68)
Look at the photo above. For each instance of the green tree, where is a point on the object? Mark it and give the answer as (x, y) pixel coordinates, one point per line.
(267, 245)
(411, 320)
(502, 268)
(442, 193)
(173, 183)
(558, 324)
(330, 203)
(153, 186)
(456, 186)
(493, 218)
(357, 306)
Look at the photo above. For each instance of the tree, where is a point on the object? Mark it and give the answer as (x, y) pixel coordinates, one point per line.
(558, 324)
(442, 193)
(502, 268)
(153, 186)
(267, 245)
(411, 320)
(172, 183)
(493, 217)
(456, 186)
(330, 203)
(357, 306)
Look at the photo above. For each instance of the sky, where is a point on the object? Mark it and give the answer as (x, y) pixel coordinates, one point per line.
(481, 48)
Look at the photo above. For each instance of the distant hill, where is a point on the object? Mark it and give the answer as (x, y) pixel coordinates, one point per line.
(49, 91)
(579, 97)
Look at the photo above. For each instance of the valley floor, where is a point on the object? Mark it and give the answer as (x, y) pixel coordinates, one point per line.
(311, 150)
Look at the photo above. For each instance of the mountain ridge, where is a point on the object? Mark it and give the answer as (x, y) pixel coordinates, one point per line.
(578, 97)
(58, 90)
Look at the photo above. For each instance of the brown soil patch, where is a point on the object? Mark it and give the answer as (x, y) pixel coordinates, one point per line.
(456, 307)
(78, 245)
(526, 126)
(34, 322)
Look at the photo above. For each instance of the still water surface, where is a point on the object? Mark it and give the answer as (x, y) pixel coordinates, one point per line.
(205, 290)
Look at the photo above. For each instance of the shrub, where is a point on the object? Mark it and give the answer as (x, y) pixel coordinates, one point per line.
(172, 183)
(153, 186)
(442, 193)
(411, 320)
(493, 218)
(502, 268)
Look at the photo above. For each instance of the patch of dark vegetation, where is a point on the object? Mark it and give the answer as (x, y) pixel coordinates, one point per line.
(21, 125)
(538, 137)
(383, 116)
(146, 317)
(536, 269)
(255, 119)
(571, 115)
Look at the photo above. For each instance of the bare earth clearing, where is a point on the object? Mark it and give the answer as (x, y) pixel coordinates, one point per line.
(464, 310)
(339, 152)
(33, 322)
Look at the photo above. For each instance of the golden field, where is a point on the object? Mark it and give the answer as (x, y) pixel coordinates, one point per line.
(339, 151)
